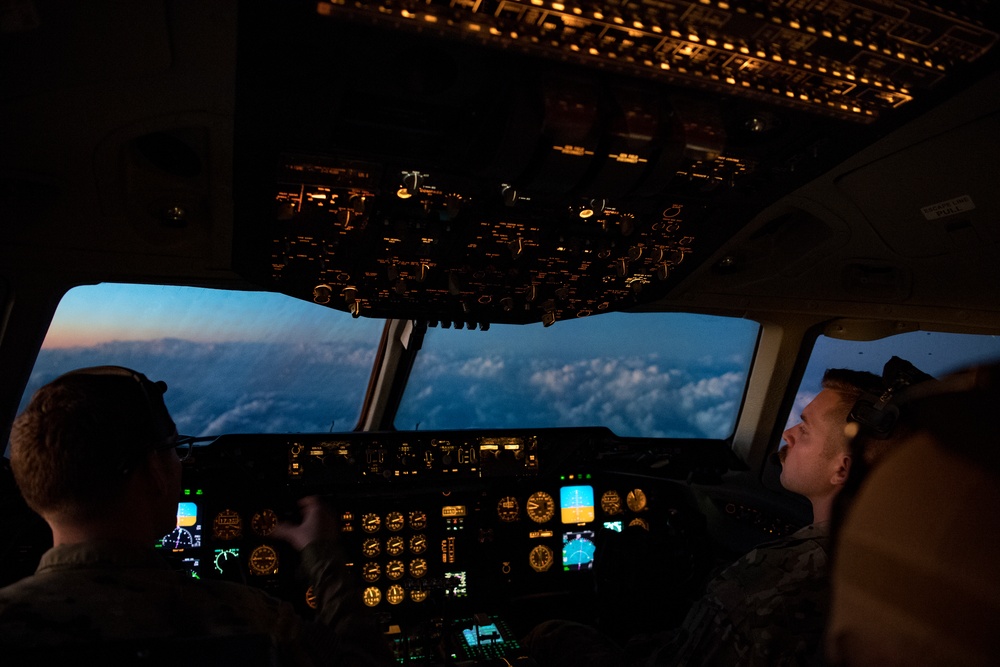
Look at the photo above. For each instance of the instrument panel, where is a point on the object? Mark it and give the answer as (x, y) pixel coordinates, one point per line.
(406, 547)
(439, 528)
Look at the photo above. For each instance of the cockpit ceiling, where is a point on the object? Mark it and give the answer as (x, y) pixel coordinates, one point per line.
(469, 163)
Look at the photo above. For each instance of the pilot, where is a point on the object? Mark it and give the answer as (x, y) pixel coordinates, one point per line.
(94, 454)
(769, 607)
(915, 579)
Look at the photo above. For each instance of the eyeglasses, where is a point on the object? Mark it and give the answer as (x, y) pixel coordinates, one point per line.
(184, 444)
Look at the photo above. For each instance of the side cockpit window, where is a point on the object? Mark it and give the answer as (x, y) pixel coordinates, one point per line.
(932, 352)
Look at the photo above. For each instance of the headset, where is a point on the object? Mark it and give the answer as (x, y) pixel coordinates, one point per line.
(879, 413)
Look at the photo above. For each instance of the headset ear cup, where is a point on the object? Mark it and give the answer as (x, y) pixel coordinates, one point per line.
(876, 421)
(878, 414)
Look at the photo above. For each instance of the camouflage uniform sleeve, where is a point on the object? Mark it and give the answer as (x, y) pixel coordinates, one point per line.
(356, 638)
(768, 608)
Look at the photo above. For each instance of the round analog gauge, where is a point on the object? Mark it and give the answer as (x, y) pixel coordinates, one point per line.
(370, 522)
(636, 500)
(227, 525)
(540, 558)
(418, 543)
(641, 523)
(263, 522)
(264, 560)
(311, 600)
(394, 545)
(540, 507)
(370, 547)
(371, 596)
(395, 594)
(418, 595)
(611, 502)
(508, 509)
(371, 571)
(418, 568)
(418, 519)
(394, 521)
(395, 569)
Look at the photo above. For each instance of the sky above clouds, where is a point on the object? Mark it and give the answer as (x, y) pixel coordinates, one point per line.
(243, 362)
(237, 387)
(685, 380)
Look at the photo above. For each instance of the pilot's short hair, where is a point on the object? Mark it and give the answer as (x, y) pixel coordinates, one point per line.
(851, 384)
(82, 435)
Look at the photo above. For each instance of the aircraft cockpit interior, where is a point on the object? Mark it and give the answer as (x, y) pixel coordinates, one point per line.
(526, 291)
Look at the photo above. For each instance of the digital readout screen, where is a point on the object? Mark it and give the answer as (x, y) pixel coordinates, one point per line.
(482, 634)
(187, 534)
(577, 504)
(578, 550)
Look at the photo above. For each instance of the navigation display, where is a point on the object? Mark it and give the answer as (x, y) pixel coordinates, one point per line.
(578, 550)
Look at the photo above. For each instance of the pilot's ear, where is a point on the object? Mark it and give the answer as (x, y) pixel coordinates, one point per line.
(843, 462)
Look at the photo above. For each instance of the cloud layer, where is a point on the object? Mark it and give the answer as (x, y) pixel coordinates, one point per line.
(216, 388)
(634, 396)
(280, 388)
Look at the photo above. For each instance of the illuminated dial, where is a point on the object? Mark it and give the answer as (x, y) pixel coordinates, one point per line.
(226, 558)
(636, 500)
(418, 543)
(371, 571)
(227, 525)
(540, 558)
(394, 521)
(311, 600)
(370, 547)
(264, 560)
(418, 519)
(371, 596)
(540, 507)
(370, 523)
(508, 509)
(418, 595)
(418, 568)
(263, 522)
(611, 502)
(395, 594)
(177, 540)
(640, 523)
(395, 569)
(394, 545)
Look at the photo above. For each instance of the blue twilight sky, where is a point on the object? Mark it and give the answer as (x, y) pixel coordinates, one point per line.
(260, 362)
(932, 352)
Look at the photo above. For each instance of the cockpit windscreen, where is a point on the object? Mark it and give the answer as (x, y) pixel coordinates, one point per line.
(261, 362)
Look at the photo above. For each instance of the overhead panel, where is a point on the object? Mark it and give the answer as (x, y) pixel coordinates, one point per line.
(469, 163)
